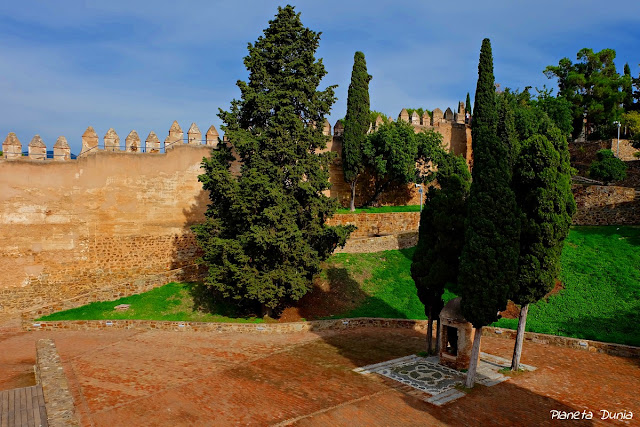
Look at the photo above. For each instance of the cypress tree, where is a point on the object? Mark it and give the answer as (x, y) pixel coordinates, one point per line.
(441, 236)
(356, 124)
(265, 235)
(467, 107)
(627, 88)
(542, 182)
(490, 254)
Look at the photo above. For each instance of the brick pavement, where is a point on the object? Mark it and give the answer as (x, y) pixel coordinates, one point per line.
(157, 378)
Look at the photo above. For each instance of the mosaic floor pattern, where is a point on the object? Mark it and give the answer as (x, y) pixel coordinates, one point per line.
(428, 376)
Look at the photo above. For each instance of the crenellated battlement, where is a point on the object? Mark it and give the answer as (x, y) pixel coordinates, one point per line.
(37, 150)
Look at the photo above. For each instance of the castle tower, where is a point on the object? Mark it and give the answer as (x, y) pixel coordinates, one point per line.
(152, 144)
(37, 149)
(175, 135)
(132, 142)
(11, 147)
(404, 115)
(111, 141)
(326, 128)
(448, 115)
(194, 136)
(89, 141)
(437, 117)
(426, 119)
(460, 115)
(61, 149)
(338, 129)
(212, 136)
(377, 123)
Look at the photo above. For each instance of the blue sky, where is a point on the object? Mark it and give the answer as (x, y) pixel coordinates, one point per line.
(142, 64)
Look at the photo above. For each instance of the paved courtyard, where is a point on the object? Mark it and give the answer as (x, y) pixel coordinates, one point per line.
(154, 378)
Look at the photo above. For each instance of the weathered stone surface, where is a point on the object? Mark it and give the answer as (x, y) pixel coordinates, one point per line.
(175, 135)
(425, 120)
(415, 118)
(89, 142)
(338, 129)
(152, 144)
(326, 128)
(460, 115)
(212, 137)
(75, 227)
(194, 136)
(625, 150)
(378, 122)
(37, 149)
(11, 147)
(111, 140)
(61, 149)
(448, 115)
(404, 115)
(57, 395)
(132, 142)
(456, 336)
(437, 116)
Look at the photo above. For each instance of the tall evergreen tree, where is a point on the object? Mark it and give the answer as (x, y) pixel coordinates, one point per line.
(542, 182)
(356, 124)
(441, 236)
(265, 235)
(627, 88)
(490, 254)
(467, 107)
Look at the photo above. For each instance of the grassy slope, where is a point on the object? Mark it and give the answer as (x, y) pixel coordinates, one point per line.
(600, 299)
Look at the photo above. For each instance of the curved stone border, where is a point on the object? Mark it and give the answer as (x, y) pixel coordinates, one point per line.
(50, 375)
(320, 325)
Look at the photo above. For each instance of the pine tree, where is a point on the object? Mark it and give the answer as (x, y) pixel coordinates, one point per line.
(265, 234)
(490, 254)
(356, 124)
(441, 236)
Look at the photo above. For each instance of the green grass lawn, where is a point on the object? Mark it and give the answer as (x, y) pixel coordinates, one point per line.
(169, 302)
(600, 300)
(382, 209)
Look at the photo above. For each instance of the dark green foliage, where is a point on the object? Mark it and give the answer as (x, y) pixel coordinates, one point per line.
(357, 120)
(506, 126)
(591, 85)
(627, 89)
(489, 257)
(441, 233)
(420, 111)
(607, 167)
(392, 153)
(546, 205)
(467, 107)
(265, 234)
(374, 115)
(558, 109)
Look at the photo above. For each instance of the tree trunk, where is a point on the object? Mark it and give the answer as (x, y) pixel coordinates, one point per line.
(353, 195)
(517, 350)
(429, 330)
(438, 335)
(266, 311)
(475, 356)
(378, 192)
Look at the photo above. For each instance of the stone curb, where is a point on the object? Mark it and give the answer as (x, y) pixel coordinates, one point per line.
(50, 375)
(320, 325)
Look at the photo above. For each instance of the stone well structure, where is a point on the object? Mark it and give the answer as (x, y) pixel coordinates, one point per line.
(456, 336)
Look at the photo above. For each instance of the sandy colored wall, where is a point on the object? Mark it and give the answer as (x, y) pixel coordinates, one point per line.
(68, 227)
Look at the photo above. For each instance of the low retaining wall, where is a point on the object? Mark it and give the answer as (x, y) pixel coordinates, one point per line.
(320, 325)
(606, 205)
(50, 375)
(110, 293)
(378, 224)
(382, 243)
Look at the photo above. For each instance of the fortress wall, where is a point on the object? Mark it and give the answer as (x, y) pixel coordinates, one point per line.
(106, 218)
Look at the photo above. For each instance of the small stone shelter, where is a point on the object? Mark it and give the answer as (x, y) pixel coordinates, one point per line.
(456, 336)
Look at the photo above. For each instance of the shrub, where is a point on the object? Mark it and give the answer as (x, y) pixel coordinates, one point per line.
(607, 167)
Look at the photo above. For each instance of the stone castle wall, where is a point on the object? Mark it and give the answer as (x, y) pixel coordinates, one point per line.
(104, 219)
